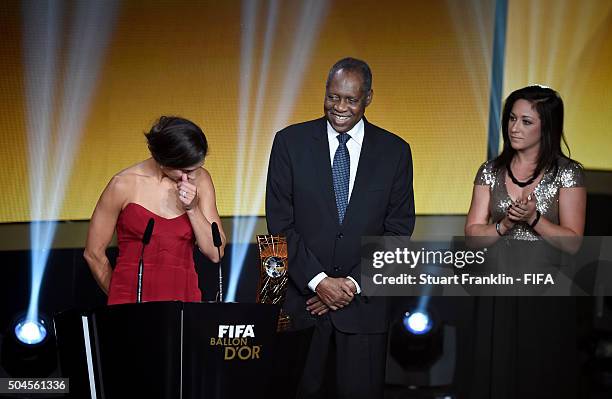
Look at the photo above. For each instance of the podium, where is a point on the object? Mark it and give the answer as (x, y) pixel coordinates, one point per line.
(179, 350)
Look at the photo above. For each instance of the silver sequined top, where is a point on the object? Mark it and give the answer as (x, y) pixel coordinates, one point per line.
(568, 174)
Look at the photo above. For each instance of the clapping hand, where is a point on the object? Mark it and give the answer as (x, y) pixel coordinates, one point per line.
(523, 209)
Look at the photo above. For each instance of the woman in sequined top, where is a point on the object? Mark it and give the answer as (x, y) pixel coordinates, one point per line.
(531, 191)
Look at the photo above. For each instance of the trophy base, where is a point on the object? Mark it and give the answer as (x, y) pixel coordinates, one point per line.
(284, 322)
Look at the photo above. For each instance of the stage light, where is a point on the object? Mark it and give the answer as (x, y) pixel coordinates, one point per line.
(421, 351)
(30, 332)
(415, 341)
(28, 348)
(417, 323)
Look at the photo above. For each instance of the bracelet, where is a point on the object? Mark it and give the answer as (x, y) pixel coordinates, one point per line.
(498, 230)
(536, 220)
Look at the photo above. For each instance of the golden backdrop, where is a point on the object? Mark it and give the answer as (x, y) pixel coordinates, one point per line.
(242, 70)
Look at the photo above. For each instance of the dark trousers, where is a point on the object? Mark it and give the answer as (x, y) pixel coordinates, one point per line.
(341, 365)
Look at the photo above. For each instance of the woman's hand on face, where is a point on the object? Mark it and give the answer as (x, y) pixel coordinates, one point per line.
(187, 193)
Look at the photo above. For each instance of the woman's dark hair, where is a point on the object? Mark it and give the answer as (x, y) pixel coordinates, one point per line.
(176, 142)
(549, 107)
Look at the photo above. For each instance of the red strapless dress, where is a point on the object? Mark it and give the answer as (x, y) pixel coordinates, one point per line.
(169, 272)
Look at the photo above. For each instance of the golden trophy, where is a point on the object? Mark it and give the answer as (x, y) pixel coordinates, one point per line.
(273, 274)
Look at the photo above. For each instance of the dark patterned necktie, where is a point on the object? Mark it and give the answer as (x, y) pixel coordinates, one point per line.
(341, 171)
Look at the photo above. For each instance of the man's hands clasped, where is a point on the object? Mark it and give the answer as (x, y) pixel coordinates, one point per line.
(331, 294)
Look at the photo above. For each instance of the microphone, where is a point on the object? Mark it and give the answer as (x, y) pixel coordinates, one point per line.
(146, 238)
(216, 236)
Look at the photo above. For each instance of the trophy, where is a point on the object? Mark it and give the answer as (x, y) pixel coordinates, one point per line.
(273, 274)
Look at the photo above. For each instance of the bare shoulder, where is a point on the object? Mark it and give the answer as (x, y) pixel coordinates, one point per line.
(134, 171)
(203, 178)
(131, 176)
(123, 183)
(114, 194)
(204, 183)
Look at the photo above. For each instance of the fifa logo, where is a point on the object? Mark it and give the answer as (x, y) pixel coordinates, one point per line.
(237, 331)
(235, 342)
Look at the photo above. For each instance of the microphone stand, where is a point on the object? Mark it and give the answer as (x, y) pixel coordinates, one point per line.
(216, 236)
(220, 277)
(145, 240)
(140, 270)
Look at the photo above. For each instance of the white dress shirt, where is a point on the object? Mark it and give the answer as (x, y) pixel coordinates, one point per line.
(354, 149)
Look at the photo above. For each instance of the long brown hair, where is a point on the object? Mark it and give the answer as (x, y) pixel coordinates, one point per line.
(549, 106)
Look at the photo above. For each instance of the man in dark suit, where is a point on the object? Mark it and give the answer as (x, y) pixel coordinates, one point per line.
(330, 182)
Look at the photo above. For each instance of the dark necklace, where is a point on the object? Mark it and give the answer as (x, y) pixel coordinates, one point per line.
(519, 183)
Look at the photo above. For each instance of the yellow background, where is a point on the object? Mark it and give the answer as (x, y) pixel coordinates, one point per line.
(431, 65)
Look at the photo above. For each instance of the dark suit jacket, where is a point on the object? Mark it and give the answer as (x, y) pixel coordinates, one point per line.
(300, 203)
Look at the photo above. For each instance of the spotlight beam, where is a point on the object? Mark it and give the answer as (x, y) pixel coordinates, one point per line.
(88, 38)
(249, 16)
(535, 18)
(249, 20)
(303, 41)
(559, 8)
(457, 14)
(244, 227)
(261, 85)
(41, 46)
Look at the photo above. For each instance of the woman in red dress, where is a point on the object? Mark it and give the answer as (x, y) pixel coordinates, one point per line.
(175, 191)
